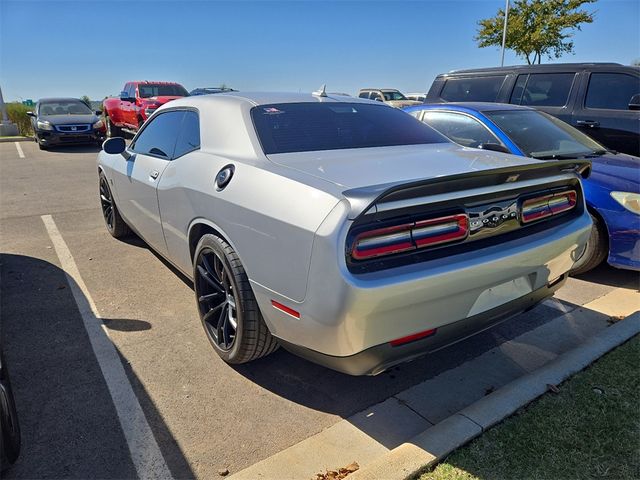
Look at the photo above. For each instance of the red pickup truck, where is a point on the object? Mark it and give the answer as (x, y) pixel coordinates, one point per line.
(136, 103)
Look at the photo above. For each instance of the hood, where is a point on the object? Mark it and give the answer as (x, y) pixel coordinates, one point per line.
(161, 99)
(69, 119)
(361, 167)
(402, 103)
(617, 172)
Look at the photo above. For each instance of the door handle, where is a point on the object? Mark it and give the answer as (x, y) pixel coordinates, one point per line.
(588, 123)
(154, 174)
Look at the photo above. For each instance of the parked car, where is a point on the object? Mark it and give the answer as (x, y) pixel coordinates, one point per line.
(65, 121)
(10, 441)
(600, 99)
(418, 97)
(612, 191)
(342, 229)
(210, 90)
(137, 101)
(390, 96)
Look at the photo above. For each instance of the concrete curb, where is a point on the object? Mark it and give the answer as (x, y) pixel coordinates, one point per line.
(15, 139)
(432, 445)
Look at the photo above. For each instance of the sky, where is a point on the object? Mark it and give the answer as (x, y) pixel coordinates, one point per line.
(86, 47)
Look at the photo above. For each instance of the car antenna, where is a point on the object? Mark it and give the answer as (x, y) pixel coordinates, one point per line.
(322, 92)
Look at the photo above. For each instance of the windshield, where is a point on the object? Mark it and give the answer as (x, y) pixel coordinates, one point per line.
(393, 96)
(146, 90)
(307, 127)
(540, 135)
(64, 107)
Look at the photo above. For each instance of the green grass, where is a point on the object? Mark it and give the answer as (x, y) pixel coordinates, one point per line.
(591, 429)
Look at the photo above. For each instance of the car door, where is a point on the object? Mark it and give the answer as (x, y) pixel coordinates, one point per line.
(604, 112)
(130, 108)
(136, 179)
(461, 128)
(549, 92)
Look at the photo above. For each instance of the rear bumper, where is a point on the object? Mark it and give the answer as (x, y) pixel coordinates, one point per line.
(344, 315)
(379, 358)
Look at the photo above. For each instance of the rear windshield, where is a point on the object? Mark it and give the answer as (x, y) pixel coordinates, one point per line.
(148, 90)
(308, 127)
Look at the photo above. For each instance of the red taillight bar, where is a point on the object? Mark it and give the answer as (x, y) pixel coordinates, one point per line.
(547, 205)
(412, 338)
(410, 236)
(285, 309)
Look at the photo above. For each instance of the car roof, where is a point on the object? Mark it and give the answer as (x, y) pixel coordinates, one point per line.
(59, 99)
(538, 68)
(142, 82)
(266, 98)
(469, 106)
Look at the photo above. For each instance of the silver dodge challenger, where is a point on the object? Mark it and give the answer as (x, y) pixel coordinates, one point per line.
(342, 229)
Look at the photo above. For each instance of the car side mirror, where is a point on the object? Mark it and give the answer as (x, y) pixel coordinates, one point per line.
(31, 114)
(116, 145)
(378, 99)
(494, 147)
(634, 103)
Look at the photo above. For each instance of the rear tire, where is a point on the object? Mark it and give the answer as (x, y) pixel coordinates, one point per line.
(596, 250)
(116, 226)
(224, 297)
(9, 425)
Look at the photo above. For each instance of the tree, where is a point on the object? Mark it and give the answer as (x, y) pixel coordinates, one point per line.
(86, 100)
(536, 28)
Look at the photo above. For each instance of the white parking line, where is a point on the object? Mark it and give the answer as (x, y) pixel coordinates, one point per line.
(145, 453)
(19, 148)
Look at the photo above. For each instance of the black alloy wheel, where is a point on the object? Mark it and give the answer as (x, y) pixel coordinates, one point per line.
(116, 226)
(227, 306)
(106, 202)
(216, 300)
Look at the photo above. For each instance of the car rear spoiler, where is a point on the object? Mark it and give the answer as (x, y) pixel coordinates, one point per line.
(364, 200)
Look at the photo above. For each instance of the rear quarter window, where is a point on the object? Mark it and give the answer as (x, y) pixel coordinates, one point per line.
(612, 91)
(472, 89)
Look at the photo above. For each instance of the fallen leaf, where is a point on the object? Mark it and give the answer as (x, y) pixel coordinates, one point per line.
(615, 318)
(552, 388)
(223, 472)
(338, 475)
(61, 287)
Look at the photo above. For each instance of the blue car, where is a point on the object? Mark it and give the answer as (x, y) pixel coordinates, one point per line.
(612, 191)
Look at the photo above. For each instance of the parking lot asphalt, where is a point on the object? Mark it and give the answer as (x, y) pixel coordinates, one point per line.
(204, 415)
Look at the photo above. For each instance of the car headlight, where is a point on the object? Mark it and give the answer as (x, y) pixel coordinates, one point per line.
(98, 125)
(44, 125)
(630, 201)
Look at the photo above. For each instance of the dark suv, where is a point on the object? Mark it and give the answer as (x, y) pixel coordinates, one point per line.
(601, 99)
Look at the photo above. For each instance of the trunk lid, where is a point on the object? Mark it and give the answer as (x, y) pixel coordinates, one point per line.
(363, 167)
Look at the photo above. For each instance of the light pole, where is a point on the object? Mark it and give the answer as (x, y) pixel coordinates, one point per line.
(504, 31)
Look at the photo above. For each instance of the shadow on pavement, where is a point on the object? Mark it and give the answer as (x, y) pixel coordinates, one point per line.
(614, 277)
(70, 428)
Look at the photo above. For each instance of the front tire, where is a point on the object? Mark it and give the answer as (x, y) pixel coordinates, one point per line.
(112, 130)
(596, 250)
(227, 307)
(116, 226)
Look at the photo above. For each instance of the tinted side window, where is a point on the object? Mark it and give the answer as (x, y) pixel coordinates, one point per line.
(159, 136)
(547, 89)
(376, 96)
(518, 90)
(189, 138)
(611, 90)
(475, 89)
(131, 90)
(364, 95)
(460, 128)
